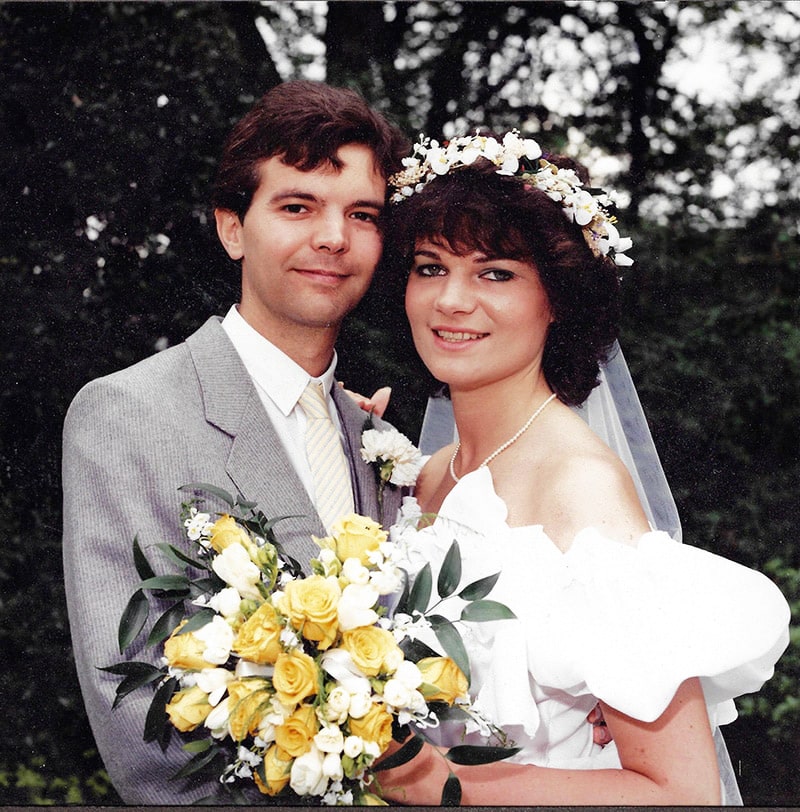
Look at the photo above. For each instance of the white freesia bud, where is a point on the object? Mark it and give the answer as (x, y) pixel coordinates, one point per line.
(353, 746)
(360, 703)
(392, 660)
(235, 567)
(330, 739)
(227, 602)
(217, 720)
(387, 580)
(355, 572)
(307, 777)
(214, 681)
(355, 606)
(332, 767)
(218, 637)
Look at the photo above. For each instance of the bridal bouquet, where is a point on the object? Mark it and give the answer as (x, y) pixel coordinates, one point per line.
(297, 683)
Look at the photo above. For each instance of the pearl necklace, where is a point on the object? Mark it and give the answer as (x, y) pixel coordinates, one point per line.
(505, 445)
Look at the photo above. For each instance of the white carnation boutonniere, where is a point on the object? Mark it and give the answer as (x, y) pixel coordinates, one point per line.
(396, 459)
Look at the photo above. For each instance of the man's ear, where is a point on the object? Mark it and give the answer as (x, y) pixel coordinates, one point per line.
(229, 231)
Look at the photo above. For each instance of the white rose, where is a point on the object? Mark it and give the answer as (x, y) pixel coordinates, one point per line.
(307, 777)
(396, 694)
(234, 566)
(355, 572)
(360, 703)
(218, 637)
(408, 673)
(353, 746)
(330, 739)
(337, 705)
(355, 606)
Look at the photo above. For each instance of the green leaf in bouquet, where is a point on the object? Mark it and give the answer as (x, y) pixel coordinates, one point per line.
(166, 583)
(420, 595)
(144, 674)
(164, 626)
(450, 573)
(416, 650)
(198, 746)
(129, 668)
(206, 586)
(179, 557)
(470, 754)
(450, 638)
(156, 727)
(140, 561)
(479, 589)
(213, 490)
(402, 602)
(402, 756)
(479, 611)
(198, 620)
(451, 791)
(133, 619)
(197, 763)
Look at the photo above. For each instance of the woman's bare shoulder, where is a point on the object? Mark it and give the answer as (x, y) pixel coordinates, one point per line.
(433, 472)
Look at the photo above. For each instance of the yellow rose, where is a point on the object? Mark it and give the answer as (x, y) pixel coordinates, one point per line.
(446, 682)
(258, 638)
(369, 646)
(226, 532)
(374, 726)
(311, 605)
(185, 650)
(188, 708)
(356, 536)
(296, 677)
(277, 772)
(294, 736)
(249, 699)
(370, 799)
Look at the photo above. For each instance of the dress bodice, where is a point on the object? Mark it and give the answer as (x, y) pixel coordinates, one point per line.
(625, 624)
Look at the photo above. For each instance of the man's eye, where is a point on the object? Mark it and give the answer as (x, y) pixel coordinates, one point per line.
(366, 216)
(295, 208)
(497, 275)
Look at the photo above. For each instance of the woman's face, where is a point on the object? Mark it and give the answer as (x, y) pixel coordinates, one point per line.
(475, 319)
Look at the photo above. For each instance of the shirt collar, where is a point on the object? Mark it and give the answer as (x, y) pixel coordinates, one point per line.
(270, 368)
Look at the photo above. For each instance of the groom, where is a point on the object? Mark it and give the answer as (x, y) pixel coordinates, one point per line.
(298, 200)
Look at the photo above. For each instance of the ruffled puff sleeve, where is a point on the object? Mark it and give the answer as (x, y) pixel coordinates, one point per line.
(628, 624)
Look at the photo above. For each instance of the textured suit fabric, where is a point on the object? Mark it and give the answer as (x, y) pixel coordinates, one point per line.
(188, 414)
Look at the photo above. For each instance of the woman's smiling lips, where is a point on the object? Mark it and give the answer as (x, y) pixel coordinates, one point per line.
(457, 336)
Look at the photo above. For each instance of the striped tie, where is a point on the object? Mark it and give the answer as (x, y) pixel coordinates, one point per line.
(333, 494)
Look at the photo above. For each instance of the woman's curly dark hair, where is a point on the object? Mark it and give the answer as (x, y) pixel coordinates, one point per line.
(475, 209)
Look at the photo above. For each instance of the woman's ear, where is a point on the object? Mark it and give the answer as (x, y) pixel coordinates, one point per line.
(229, 231)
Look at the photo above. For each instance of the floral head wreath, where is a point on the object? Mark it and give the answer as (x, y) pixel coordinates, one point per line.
(517, 156)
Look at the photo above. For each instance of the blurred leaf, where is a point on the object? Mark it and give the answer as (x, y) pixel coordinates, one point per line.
(133, 619)
(479, 589)
(451, 641)
(451, 792)
(486, 610)
(408, 751)
(450, 573)
(469, 754)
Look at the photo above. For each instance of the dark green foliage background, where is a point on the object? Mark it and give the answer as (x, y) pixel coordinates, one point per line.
(711, 326)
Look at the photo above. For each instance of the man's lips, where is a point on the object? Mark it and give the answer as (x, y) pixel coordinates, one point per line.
(323, 274)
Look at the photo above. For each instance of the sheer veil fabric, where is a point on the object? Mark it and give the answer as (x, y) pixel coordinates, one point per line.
(614, 413)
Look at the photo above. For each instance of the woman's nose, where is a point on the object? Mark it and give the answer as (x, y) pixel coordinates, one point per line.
(455, 296)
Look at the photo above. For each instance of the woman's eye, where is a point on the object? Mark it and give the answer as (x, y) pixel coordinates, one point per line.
(429, 270)
(498, 275)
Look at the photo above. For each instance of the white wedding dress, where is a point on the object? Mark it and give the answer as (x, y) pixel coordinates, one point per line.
(605, 620)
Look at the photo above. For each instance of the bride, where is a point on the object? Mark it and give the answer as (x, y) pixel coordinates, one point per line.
(512, 298)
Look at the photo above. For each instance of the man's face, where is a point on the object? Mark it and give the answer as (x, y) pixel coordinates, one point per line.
(309, 245)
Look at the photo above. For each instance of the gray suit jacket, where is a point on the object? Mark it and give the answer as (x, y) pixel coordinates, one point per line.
(188, 414)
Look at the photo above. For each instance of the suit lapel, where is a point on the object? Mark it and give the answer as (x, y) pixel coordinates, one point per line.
(257, 463)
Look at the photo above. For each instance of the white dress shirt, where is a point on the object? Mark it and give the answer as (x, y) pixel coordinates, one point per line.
(279, 382)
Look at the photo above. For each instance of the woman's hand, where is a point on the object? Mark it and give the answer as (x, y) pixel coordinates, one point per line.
(376, 405)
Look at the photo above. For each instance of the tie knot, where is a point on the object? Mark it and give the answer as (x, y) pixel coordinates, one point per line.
(313, 402)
